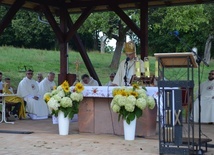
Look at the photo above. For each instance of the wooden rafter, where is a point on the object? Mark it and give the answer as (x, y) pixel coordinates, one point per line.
(10, 14)
(83, 52)
(60, 35)
(126, 19)
(79, 22)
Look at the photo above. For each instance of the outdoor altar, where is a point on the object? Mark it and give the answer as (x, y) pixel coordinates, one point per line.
(96, 116)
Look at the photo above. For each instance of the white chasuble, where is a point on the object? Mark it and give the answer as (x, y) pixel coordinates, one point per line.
(207, 103)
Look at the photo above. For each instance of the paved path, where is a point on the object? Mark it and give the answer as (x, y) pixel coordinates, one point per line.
(46, 141)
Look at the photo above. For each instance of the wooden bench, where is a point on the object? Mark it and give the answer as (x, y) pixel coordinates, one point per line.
(204, 142)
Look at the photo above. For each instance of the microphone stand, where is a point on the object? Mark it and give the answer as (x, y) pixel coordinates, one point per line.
(198, 60)
(125, 77)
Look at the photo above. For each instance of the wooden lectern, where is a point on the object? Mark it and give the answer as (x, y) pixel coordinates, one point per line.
(173, 60)
(171, 140)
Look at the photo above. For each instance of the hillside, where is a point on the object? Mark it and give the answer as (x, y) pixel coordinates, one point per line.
(13, 61)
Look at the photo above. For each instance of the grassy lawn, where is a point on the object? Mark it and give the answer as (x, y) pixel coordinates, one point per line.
(13, 60)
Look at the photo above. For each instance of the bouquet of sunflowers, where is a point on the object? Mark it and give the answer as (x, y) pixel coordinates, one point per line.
(62, 99)
(129, 102)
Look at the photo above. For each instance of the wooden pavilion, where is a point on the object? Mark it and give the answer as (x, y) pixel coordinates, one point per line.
(67, 28)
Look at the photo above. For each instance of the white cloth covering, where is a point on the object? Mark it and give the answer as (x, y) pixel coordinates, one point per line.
(28, 88)
(109, 83)
(46, 86)
(119, 77)
(207, 103)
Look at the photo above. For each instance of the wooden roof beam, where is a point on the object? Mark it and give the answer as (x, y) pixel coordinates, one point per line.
(10, 14)
(51, 3)
(60, 35)
(168, 3)
(83, 52)
(126, 19)
(79, 4)
(79, 22)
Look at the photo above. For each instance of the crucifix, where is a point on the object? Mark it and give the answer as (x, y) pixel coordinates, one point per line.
(77, 65)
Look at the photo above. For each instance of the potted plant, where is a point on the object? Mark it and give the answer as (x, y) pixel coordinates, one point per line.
(64, 103)
(129, 103)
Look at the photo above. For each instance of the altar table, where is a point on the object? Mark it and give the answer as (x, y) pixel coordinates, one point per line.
(96, 116)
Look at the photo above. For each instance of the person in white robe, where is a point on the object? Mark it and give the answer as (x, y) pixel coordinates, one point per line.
(86, 80)
(127, 66)
(47, 84)
(29, 90)
(39, 77)
(207, 101)
(110, 83)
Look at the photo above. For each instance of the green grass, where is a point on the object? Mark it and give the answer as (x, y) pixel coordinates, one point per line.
(45, 61)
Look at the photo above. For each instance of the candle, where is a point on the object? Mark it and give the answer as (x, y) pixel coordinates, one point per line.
(156, 68)
(137, 68)
(146, 66)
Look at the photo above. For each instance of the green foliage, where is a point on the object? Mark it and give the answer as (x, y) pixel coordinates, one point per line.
(129, 116)
(193, 23)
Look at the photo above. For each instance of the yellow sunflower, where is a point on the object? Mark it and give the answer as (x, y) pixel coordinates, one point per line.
(116, 91)
(124, 93)
(47, 98)
(79, 87)
(134, 93)
(66, 89)
(135, 86)
(65, 84)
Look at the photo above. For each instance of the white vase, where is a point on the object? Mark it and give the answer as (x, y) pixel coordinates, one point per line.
(129, 129)
(63, 123)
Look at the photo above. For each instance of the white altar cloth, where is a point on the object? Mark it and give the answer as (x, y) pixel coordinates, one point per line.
(106, 91)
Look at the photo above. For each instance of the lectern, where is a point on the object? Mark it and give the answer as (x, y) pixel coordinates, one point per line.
(171, 126)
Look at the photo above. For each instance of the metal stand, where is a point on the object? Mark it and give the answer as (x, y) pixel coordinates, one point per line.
(171, 122)
(4, 119)
(198, 60)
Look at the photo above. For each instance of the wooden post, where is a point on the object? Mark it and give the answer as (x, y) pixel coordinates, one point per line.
(144, 29)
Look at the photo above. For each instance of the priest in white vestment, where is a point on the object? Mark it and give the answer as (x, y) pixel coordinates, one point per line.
(29, 90)
(47, 84)
(88, 81)
(207, 101)
(127, 68)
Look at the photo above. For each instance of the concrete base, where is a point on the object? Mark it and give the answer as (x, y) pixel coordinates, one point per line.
(95, 116)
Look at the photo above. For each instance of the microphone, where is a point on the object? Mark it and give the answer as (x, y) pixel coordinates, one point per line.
(127, 59)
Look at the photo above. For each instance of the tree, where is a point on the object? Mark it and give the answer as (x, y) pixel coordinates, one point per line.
(191, 21)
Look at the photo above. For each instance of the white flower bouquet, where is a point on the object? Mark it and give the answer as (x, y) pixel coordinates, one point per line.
(62, 99)
(130, 102)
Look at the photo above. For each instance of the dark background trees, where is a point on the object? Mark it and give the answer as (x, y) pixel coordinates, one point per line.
(195, 24)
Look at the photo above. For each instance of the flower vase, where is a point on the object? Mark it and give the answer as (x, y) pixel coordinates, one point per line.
(129, 129)
(63, 123)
